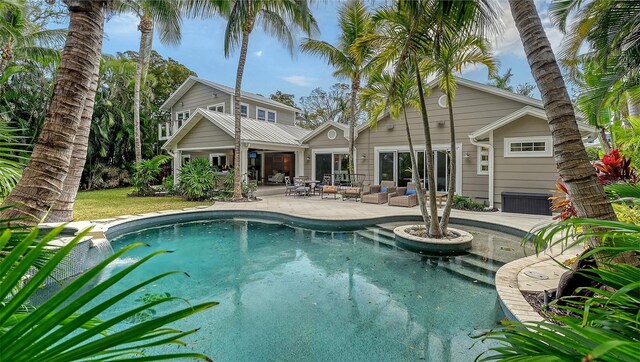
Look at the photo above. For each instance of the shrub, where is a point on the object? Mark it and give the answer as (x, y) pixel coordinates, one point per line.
(146, 172)
(466, 203)
(197, 180)
(102, 176)
(168, 185)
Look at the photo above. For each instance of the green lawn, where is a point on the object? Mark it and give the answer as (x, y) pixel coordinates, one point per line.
(92, 205)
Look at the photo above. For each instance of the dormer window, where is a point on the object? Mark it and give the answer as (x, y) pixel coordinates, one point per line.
(266, 115)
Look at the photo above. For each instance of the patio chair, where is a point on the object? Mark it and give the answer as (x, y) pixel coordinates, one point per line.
(352, 193)
(329, 190)
(404, 196)
(289, 187)
(300, 187)
(277, 178)
(379, 194)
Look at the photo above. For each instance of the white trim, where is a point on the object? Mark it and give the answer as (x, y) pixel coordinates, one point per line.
(479, 162)
(417, 148)
(232, 104)
(266, 114)
(226, 147)
(332, 134)
(548, 145)
(216, 106)
(212, 155)
(442, 101)
(183, 156)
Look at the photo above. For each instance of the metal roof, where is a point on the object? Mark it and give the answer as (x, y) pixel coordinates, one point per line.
(252, 130)
(184, 87)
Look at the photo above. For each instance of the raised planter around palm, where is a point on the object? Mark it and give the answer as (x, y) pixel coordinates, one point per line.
(409, 237)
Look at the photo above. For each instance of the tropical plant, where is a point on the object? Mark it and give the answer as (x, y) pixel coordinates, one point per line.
(452, 53)
(407, 33)
(67, 326)
(350, 62)
(278, 18)
(197, 180)
(466, 203)
(164, 15)
(502, 81)
(146, 172)
(601, 326)
(44, 175)
(13, 155)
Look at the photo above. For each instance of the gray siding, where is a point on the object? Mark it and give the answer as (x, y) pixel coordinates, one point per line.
(205, 134)
(202, 96)
(321, 140)
(473, 109)
(522, 174)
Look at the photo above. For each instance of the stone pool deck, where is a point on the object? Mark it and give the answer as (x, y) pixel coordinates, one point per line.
(533, 273)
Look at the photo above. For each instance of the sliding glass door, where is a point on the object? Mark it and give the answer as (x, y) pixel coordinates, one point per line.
(330, 164)
(396, 166)
(323, 165)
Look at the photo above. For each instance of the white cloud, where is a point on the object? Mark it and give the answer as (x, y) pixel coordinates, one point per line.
(509, 42)
(122, 25)
(258, 53)
(300, 80)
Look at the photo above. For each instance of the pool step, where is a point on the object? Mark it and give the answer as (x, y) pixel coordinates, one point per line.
(479, 261)
(374, 236)
(475, 274)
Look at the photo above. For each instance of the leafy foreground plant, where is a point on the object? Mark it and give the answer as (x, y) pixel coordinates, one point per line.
(605, 324)
(66, 327)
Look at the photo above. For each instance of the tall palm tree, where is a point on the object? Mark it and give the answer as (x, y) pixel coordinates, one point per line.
(407, 33)
(166, 17)
(379, 99)
(349, 61)
(571, 158)
(278, 18)
(453, 53)
(44, 176)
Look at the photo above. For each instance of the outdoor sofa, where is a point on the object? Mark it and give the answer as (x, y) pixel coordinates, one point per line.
(379, 194)
(404, 196)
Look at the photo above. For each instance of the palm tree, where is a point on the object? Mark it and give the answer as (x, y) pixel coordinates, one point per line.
(164, 15)
(453, 54)
(43, 178)
(349, 61)
(278, 18)
(379, 98)
(407, 34)
(571, 158)
(21, 40)
(501, 81)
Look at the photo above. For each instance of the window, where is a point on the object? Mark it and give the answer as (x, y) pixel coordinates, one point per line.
(528, 147)
(483, 160)
(186, 159)
(217, 107)
(244, 110)
(182, 117)
(265, 115)
(163, 131)
(217, 159)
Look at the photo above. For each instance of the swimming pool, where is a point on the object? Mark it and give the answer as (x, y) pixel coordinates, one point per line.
(289, 293)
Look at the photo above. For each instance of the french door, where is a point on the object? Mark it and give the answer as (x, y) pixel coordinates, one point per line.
(330, 163)
(396, 166)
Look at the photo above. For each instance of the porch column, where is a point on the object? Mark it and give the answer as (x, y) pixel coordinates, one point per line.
(300, 160)
(177, 163)
(244, 161)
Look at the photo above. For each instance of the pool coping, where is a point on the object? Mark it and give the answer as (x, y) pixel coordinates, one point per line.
(509, 294)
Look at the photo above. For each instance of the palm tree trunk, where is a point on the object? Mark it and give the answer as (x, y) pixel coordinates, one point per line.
(237, 175)
(146, 30)
(434, 226)
(446, 212)
(62, 209)
(415, 174)
(571, 158)
(355, 86)
(43, 178)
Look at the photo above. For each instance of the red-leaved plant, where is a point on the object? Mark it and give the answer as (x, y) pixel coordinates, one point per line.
(612, 168)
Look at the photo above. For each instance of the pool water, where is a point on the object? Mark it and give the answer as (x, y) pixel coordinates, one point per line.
(292, 294)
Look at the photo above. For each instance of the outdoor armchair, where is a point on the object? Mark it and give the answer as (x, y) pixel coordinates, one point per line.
(404, 196)
(379, 194)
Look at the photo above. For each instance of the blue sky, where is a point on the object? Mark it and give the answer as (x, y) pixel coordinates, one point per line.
(270, 66)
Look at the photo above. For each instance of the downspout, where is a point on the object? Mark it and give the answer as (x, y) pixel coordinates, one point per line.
(490, 147)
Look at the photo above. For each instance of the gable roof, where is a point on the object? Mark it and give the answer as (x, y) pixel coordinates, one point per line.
(192, 80)
(252, 130)
(323, 127)
(524, 111)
